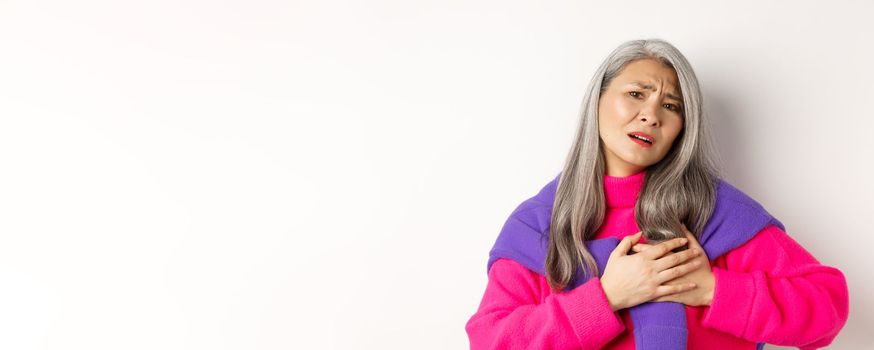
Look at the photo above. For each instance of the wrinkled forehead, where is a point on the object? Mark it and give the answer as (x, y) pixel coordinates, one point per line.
(671, 91)
(652, 75)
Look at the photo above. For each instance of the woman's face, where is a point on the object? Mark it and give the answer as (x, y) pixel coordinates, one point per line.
(643, 99)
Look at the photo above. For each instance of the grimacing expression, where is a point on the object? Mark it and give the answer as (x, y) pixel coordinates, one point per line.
(644, 99)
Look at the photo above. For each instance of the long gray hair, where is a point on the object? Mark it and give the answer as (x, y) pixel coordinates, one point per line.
(679, 189)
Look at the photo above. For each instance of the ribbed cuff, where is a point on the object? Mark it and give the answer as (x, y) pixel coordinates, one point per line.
(589, 313)
(732, 302)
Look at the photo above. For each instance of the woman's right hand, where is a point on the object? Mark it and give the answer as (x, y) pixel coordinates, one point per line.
(629, 280)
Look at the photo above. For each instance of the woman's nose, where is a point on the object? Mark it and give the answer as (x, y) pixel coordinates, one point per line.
(649, 116)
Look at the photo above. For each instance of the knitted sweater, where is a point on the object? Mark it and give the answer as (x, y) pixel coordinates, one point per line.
(736, 218)
(768, 289)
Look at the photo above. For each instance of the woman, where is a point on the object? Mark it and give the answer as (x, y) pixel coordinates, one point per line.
(639, 244)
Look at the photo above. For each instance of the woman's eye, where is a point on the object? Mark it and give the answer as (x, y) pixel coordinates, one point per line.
(673, 107)
(634, 93)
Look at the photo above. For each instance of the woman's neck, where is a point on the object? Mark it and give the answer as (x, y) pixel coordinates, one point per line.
(622, 191)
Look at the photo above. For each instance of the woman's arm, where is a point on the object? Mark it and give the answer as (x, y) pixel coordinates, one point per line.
(774, 291)
(511, 316)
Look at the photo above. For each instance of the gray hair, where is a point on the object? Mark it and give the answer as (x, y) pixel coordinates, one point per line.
(679, 189)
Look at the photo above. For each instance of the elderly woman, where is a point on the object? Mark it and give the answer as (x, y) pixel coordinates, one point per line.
(639, 244)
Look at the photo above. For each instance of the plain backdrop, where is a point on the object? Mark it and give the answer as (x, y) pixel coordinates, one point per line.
(332, 174)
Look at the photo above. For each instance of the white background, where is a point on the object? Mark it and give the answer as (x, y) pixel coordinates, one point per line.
(328, 175)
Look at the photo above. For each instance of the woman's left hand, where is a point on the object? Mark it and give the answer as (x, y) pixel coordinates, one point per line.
(703, 277)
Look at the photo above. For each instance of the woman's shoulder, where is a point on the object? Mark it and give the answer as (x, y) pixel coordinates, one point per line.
(736, 218)
(525, 234)
(725, 191)
(536, 211)
(731, 196)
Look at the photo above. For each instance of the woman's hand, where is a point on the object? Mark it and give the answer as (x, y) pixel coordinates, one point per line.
(629, 280)
(702, 276)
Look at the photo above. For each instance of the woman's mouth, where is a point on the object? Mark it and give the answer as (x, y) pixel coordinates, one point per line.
(640, 140)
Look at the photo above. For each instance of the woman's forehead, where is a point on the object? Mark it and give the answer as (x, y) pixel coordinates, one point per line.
(650, 75)
(650, 72)
(673, 92)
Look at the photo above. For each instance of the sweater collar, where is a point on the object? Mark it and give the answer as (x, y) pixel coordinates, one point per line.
(622, 191)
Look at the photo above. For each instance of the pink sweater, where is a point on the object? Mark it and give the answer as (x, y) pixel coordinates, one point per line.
(769, 290)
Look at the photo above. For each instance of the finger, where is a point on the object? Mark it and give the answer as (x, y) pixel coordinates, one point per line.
(677, 271)
(663, 290)
(625, 244)
(694, 244)
(675, 259)
(663, 248)
(689, 235)
(640, 247)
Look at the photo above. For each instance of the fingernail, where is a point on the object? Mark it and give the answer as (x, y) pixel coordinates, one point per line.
(682, 241)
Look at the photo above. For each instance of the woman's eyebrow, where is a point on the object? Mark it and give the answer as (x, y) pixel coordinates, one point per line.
(650, 87)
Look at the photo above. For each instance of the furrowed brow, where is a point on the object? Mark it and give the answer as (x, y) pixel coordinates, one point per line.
(646, 86)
